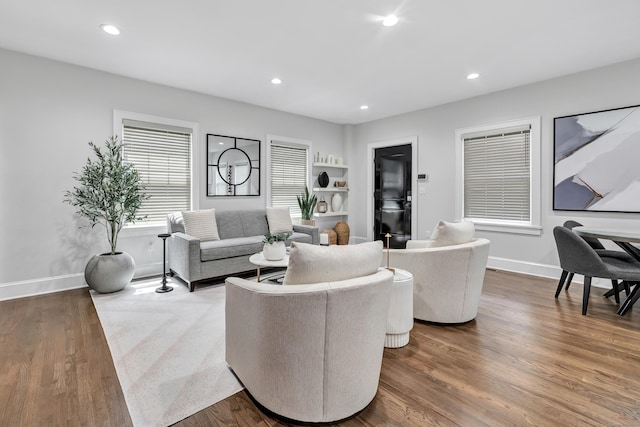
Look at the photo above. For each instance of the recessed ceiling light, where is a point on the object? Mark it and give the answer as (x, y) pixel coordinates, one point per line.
(390, 21)
(276, 81)
(220, 143)
(110, 29)
(473, 76)
(364, 107)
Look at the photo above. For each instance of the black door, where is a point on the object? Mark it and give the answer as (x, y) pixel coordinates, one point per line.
(392, 196)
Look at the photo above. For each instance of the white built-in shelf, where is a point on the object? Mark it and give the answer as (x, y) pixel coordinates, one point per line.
(330, 189)
(341, 213)
(330, 165)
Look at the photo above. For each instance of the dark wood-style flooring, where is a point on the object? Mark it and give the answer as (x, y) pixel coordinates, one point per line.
(527, 359)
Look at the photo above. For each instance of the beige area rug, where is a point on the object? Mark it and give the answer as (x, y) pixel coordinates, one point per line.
(168, 349)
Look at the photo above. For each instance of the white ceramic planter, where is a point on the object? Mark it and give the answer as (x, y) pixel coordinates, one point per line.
(106, 273)
(274, 251)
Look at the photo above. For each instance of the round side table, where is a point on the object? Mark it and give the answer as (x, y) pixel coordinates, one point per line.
(400, 317)
(164, 288)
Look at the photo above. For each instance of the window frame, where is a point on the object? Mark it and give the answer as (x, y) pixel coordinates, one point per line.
(533, 226)
(119, 116)
(295, 143)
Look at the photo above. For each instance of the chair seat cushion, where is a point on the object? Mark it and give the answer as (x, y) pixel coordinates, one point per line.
(228, 248)
(615, 254)
(622, 270)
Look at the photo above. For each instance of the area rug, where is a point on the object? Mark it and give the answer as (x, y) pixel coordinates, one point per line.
(168, 349)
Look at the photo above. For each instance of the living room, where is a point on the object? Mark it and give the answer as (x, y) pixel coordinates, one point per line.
(51, 109)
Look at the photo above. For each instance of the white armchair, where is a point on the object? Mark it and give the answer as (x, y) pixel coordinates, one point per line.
(447, 276)
(310, 352)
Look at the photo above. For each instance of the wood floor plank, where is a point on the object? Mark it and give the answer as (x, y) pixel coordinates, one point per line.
(527, 359)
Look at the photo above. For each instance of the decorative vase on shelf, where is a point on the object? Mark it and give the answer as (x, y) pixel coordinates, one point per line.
(274, 251)
(323, 179)
(322, 206)
(336, 202)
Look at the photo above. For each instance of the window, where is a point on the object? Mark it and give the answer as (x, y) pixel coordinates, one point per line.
(499, 178)
(288, 172)
(161, 151)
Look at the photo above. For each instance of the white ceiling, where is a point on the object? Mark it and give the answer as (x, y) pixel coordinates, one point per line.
(333, 55)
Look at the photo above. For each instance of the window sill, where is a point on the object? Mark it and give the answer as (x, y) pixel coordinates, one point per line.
(532, 230)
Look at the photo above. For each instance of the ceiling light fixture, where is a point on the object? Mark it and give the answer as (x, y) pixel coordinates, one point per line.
(364, 107)
(110, 29)
(473, 76)
(276, 81)
(390, 21)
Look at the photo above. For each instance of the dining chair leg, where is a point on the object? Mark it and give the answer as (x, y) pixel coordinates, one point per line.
(569, 280)
(563, 277)
(631, 299)
(627, 288)
(585, 294)
(616, 290)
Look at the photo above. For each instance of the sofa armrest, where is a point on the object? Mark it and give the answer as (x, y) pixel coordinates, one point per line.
(311, 230)
(184, 256)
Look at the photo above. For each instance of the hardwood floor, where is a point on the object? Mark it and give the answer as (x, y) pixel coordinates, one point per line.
(527, 359)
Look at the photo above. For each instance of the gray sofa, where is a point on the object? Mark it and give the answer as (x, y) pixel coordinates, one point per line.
(241, 233)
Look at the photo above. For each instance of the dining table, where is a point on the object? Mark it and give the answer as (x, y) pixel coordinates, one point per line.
(624, 239)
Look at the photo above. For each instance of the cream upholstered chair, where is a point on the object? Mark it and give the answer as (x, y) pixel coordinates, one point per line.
(311, 349)
(448, 272)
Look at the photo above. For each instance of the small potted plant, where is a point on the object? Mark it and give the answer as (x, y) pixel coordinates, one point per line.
(110, 193)
(274, 248)
(307, 203)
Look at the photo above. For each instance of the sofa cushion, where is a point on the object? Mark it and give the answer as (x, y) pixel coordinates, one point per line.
(201, 224)
(452, 233)
(279, 220)
(315, 264)
(242, 223)
(229, 248)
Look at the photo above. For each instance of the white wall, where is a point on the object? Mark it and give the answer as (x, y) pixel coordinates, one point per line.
(48, 113)
(50, 110)
(604, 88)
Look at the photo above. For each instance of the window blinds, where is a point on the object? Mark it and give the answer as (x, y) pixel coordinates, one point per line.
(288, 176)
(162, 156)
(497, 176)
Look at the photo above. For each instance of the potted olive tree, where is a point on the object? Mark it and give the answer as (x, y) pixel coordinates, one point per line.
(109, 193)
(307, 203)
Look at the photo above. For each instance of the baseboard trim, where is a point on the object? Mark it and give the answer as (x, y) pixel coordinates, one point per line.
(44, 285)
(539, 270)
(47, 285)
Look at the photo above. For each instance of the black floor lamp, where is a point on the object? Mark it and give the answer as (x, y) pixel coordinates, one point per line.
(164, 288)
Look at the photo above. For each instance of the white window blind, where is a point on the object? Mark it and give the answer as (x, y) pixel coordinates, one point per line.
(162, 156)
(497, 175)
(288, 176)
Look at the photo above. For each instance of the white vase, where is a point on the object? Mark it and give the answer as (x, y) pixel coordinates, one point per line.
(274, 251)
(108, 273)
(336, 202)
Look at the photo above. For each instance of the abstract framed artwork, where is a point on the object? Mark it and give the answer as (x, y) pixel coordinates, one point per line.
(597, 161)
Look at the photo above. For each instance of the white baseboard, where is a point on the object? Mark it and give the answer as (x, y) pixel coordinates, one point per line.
(44, 285)
(47, 285)
(540, 270)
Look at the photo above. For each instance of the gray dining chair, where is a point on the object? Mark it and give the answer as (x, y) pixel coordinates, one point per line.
(603, 252)
(578, 257)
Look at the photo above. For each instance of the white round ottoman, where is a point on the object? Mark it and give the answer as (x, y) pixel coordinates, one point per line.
(400, 317)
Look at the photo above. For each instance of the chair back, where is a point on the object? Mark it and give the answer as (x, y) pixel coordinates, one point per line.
(576, 255)
(592, 241)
